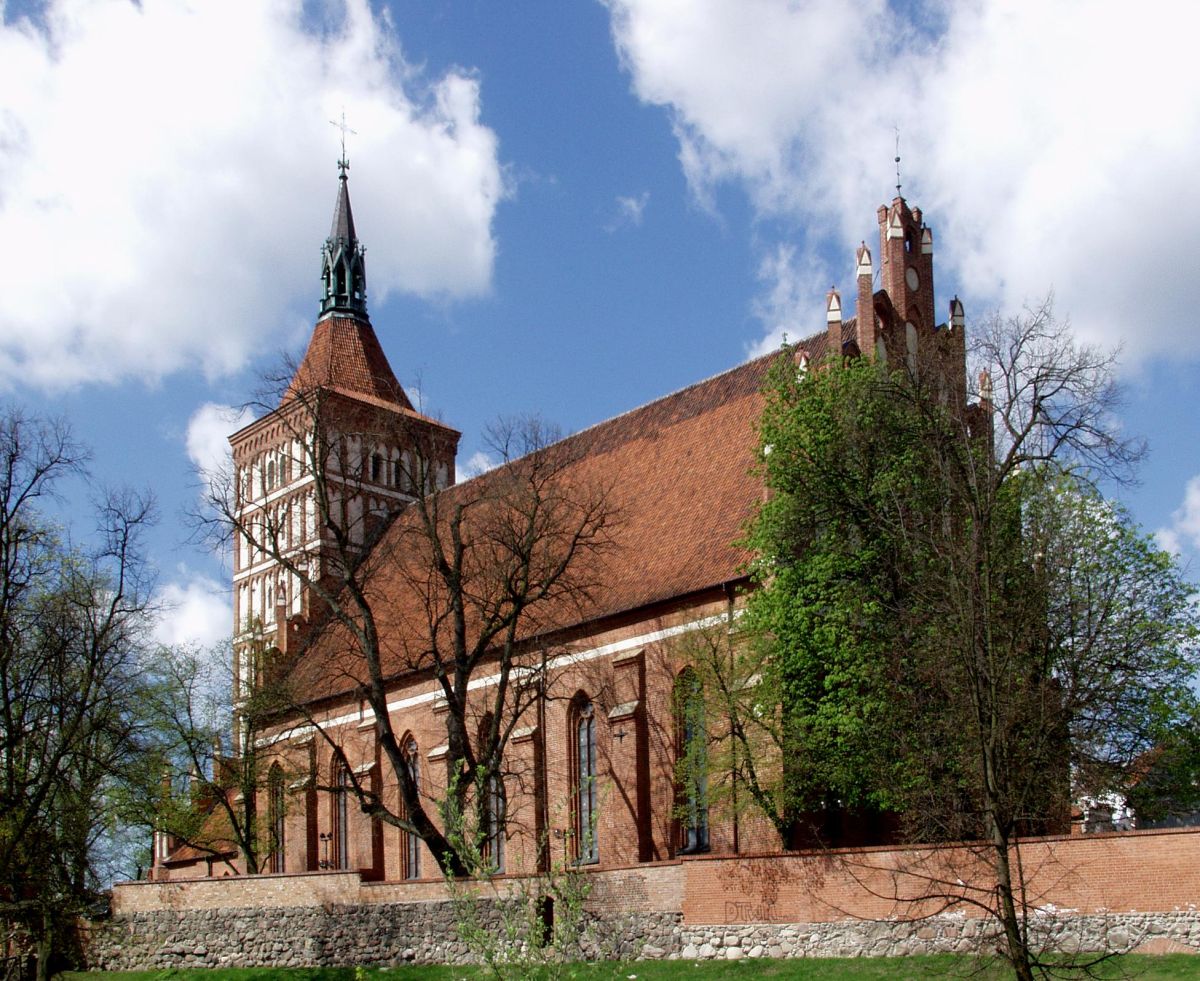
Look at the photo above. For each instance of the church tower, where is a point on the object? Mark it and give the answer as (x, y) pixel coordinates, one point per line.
(896, 321)
(316, 478)
(906, 263)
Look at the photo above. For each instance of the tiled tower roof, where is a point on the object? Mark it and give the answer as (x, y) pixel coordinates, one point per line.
(344, 355)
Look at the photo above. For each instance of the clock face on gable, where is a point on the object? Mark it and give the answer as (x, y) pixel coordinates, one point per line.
(913, 280)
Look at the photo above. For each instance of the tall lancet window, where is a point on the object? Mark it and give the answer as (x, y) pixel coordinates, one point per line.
(275, 816)
(692, 764)
(341, 816)
(493, 809)
(587, 845)
(410, 844)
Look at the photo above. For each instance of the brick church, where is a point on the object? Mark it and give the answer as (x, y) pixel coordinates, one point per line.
(344, 499)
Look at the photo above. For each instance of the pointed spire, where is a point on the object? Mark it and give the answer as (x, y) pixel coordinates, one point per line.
(862, 258)
(865, 308)
(833, 306)
(958, 319)
(343, 217)
(985, 389)
(343, 266)
(833, 324)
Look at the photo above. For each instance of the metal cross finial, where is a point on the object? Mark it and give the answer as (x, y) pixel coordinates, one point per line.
(344, 163)
(898, 161)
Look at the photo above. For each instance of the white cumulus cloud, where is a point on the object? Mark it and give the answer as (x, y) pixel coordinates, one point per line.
(1183, 533)
(207, 438)
(1051, 145)
(167, 176)
(479, 462)
(196, 612)
(792, 300)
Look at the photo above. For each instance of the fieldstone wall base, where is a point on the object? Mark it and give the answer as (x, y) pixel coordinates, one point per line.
(340, 935)
(948, 933)
(393, 933)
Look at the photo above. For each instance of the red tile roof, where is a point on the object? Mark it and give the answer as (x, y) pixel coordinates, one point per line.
(679, 469)
(344, 354)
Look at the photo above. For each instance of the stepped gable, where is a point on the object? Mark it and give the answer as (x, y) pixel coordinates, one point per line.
(344, 355)
(680, 470)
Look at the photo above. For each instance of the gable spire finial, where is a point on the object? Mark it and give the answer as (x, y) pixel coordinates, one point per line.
(898, 194)
(344, 162)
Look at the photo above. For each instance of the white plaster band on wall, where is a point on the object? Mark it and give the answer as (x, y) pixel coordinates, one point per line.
(562, 661)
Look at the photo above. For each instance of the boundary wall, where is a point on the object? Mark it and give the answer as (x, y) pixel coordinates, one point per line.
(1121, 891)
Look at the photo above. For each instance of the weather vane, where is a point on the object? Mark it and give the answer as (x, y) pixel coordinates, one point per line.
(344, 163)
(898, 161)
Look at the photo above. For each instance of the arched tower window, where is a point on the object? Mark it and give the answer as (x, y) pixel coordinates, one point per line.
(275, 816)
(691, 762)
(583, 780)
(910, 343)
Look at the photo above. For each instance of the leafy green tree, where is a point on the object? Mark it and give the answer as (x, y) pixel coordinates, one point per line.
(74, 743)
(951, 625)
(210, 799)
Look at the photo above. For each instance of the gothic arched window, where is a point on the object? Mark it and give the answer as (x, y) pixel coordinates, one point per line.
(275, 816)
(341, 816)
(407, 478)
(410, 844)
(691, 766)
(493, 809)
(583, 779)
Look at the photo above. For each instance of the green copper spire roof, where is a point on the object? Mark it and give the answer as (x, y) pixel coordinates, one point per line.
(343, 267)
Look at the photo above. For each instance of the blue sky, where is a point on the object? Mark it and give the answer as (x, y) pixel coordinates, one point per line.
(568, 208)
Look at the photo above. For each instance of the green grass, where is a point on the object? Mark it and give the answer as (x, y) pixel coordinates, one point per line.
(1169, 967)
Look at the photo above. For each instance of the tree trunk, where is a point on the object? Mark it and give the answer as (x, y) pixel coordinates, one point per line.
(45, 947)
(1016, 942)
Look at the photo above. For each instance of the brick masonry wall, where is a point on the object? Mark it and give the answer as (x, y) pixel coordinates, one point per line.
(1139, 871)
(1117, 891)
